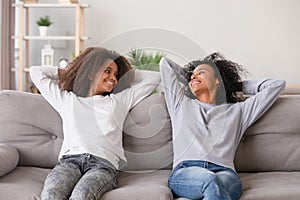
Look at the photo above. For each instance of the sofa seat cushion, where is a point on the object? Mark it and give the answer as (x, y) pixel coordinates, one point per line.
(141, 186)
(23, 183)
(270, 185)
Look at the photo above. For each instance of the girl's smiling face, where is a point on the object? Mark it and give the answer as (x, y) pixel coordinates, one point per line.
(105, 80)
(203, 80)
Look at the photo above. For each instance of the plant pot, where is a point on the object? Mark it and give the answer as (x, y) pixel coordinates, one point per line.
(43, 30)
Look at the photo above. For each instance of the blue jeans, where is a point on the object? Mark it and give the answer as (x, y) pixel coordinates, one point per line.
(204, 180)
(80, 177)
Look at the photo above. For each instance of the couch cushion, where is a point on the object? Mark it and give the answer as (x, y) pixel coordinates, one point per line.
(147, 135)
(141, 186)
(23, 183)
(30, 124)
(9, 157)
(271, 185)
(272, 143)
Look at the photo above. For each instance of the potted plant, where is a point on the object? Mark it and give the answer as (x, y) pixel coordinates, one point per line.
(145, 60)
(44, 23)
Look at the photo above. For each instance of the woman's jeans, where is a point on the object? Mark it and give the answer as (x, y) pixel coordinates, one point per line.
(80, 177)
(204, 180)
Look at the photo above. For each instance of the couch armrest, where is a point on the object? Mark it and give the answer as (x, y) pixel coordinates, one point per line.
(9, 157)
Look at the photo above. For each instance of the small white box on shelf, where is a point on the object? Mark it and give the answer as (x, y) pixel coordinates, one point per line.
(47, 55)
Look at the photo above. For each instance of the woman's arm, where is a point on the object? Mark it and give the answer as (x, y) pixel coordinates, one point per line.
(45, 79)
(171, 75)
(265, 93)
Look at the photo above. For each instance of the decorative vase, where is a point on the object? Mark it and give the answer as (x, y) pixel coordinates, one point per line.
(43, 30)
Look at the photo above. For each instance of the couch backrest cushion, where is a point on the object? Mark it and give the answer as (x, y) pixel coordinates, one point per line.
(147, 135)
(32, 126)
(273, 142)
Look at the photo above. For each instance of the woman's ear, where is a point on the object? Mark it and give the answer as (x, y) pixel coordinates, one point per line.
(217, 82)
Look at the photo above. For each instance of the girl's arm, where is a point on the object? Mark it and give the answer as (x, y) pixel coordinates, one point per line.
(45, 79)
(60, 72)
(144, 83)
(264, 92)
(171, 75)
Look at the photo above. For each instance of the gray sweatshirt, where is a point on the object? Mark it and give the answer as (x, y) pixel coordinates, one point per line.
(212, 132)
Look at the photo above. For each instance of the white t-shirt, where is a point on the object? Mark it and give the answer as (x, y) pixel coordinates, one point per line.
(93, 124)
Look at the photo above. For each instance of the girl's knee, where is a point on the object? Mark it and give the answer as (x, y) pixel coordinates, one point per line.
(82, 196)
(54, 195)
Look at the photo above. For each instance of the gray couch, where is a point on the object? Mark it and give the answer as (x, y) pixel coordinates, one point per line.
(31, 135)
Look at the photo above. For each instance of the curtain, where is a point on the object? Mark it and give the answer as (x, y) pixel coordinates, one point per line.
(7, 50)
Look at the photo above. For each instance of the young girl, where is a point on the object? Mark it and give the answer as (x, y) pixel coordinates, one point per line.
(92, 120)
(208, 127)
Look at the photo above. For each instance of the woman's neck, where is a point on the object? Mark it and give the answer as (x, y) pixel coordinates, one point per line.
(207, 97)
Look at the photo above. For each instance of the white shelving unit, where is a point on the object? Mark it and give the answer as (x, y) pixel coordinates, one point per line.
(24, 37)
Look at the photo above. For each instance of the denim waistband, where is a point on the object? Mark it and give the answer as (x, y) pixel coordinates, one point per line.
(88, 156)
(204, 164)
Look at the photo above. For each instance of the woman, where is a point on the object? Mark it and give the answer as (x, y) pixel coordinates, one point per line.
(92, 119)
(208, 127)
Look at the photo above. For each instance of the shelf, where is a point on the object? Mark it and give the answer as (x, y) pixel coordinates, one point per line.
(47, 5)
(25, 69)
(36, 37)
(24, 38)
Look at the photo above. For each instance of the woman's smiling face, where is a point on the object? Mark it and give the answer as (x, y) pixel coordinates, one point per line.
(203, 80)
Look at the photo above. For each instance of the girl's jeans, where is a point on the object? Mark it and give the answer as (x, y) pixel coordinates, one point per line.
(204, 180)
(80, 177)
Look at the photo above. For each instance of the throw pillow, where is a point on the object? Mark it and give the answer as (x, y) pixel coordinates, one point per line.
(9, 157)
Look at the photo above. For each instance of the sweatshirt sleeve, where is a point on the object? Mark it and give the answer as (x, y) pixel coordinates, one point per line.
(265, 93)
(144, 83)
(173, 83)
(45, 79)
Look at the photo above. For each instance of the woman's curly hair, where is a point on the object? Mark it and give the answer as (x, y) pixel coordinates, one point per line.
(77, 77)
(229, 74)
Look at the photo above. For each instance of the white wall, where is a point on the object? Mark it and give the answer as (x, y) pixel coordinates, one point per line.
(262, 35)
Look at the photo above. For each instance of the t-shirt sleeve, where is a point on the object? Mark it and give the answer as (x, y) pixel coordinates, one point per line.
(45, 79)
(144, 83)
(265, 93)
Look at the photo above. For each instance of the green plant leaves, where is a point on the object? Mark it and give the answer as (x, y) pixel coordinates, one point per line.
(145, 61)
(44, 21)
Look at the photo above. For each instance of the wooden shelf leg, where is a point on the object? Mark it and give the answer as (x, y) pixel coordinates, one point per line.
(77, 30)
(20, 67)
(27, 78)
